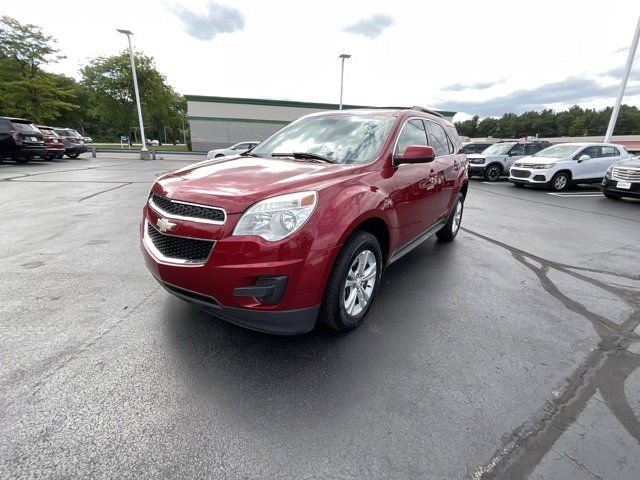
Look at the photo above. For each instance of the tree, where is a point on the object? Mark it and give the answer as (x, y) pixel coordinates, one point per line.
(25, 88)
(109, 81)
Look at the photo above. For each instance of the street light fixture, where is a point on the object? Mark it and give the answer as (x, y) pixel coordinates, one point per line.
(342, 56)
(144, 152)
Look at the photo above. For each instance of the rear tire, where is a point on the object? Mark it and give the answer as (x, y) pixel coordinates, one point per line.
(219, 156)
(560, 182)
(350, 293)
(22, 159)
(452, 227)
(493, 173)
(73, 155)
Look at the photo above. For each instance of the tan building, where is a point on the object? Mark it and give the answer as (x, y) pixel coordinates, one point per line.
(218, 122)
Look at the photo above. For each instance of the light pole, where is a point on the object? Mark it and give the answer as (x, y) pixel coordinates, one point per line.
(144, 153)
(343, 56)
(623, 84)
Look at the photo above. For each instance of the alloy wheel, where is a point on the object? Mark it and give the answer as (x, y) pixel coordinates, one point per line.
(457, 218)
(360, 283)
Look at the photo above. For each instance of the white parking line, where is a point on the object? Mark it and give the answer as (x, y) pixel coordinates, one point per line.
(579, 194)
(504, 184)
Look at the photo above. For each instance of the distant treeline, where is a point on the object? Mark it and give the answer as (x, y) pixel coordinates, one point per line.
(575, 122)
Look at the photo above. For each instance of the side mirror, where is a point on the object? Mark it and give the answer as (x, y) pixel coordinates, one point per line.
(583, 158)
(416, 154)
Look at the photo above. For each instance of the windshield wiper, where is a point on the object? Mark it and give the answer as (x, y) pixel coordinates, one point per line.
(303, 156)
(248, 154)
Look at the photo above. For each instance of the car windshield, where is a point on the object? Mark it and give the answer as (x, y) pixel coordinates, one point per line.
(346, 139)
(498, 149)
(25, 127)
(557, 151)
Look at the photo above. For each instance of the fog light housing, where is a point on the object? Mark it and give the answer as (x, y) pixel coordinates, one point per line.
(267, 289)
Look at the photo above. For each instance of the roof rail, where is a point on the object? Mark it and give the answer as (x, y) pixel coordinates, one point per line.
(426, 110)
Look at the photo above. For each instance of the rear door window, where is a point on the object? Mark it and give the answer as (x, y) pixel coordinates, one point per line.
(517, 150)
(609, 152)
(439, 140)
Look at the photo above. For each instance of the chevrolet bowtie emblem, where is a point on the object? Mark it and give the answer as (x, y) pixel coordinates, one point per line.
(165, 225)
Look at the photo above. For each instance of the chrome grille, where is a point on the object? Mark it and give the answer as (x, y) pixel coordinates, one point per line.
(187, 211)
(626, 174)
(171, 248)
(520, 173)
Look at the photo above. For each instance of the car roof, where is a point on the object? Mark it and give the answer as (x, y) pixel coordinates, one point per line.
(388, 111)
(16, 119)
(588, 144)
(44, 126)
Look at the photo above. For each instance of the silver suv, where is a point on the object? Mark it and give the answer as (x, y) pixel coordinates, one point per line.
(495, 161)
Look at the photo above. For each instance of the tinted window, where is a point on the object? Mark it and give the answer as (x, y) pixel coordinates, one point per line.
(517, 150)
(413, 133)
(240, 146)
(593, 152)
(25, 127)
(470, 149)
(5, 125)
(609, 152)
(439, 140)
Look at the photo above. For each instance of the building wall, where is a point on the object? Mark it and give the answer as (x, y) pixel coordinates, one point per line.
(218, 122)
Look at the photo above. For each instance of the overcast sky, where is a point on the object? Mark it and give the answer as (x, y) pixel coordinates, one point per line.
(484, 58)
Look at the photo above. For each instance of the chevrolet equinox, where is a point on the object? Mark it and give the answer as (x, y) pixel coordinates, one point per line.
(301, 227)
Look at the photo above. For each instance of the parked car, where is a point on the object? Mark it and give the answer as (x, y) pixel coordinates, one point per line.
(232, 150)
(475, 147)
(496, 160)
(622, 179)
(20, 140)
(560, 166)
(303, 226)
(73, 143)
(53, 143)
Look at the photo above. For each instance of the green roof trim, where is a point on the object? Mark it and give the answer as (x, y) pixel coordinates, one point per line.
(243, 120)
(286, 103)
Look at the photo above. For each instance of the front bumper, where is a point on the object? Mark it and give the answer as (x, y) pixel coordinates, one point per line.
(76, 148)
(280, 322)
(611, 186)
(237, 267)
(476, 169)
(529, 176)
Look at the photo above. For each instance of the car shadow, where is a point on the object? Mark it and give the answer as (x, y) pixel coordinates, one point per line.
(310, 377)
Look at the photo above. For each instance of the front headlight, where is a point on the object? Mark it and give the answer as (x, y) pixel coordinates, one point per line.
(476, 160)
(609, 172)
(278, 217)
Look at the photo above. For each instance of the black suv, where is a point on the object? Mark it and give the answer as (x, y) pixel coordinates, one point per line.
(20, 140)
(475, 147)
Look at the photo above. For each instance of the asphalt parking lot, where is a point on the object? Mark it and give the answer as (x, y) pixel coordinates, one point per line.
(512, 352)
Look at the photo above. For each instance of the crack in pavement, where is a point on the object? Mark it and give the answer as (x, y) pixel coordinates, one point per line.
(126, 184)
(605, 370)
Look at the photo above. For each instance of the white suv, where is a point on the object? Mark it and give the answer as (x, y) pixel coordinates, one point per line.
(561, 165)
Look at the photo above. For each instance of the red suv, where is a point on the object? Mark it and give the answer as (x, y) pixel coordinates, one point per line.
(302, 226)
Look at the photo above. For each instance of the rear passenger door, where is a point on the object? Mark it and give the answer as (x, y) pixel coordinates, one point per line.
(608, 156)
(446, 164)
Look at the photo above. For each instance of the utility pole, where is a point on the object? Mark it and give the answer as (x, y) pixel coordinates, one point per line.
(343, 56)
(144, 153)
(623, 84)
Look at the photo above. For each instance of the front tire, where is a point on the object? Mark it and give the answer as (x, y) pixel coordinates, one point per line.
(492, 173)
(560, 182)
(611, 196)
(452, 227)
(73, 155)
(353, 283)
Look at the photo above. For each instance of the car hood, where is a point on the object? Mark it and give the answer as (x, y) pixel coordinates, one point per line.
(631, 162)
(235, 183)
